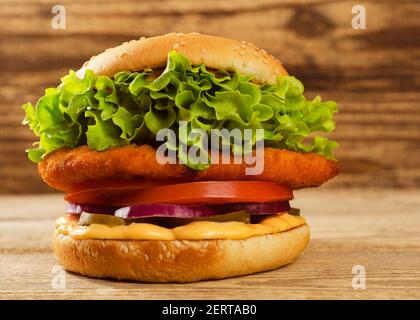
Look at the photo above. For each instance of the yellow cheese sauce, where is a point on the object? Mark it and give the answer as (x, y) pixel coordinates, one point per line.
(199, 230)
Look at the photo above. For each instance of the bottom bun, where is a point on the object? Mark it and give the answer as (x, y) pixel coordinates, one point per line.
(179, 260)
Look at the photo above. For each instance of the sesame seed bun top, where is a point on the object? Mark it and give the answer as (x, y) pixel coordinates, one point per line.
(214, 52)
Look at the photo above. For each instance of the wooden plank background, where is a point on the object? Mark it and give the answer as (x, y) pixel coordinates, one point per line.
(374, 74)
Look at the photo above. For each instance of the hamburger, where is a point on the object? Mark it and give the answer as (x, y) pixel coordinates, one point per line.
(134, 214)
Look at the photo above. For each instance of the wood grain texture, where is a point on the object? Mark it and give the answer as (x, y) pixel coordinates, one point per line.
(374, 74)
(377, 229)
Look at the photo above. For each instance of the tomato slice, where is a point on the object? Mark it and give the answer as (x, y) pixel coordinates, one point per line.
(202, 192)
(98, 191)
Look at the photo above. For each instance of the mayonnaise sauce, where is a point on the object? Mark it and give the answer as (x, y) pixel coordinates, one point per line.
(199, 230)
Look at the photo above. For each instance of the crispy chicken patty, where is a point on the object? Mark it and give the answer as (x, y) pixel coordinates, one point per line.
(64, 168)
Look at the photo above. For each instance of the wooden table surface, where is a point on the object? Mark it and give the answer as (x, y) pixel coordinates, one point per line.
(379, 230)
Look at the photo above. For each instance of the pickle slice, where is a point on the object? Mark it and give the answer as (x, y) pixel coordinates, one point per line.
(241, 216)
(93, 218)
(294, 212)
(110, 220)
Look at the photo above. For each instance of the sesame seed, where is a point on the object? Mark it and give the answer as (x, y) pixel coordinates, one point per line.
(146, 257)
(177, 244)
(160, 257)
(241, 53)
(235, 47)
(243, 42)
(163, 246)
(124, 249)
(103, 244)
(142, 38)
(176, 46)
(173, 256)
(179, 34)
(243, 46)
(168, 254)
(256, 54)
(205, 245)
(220, 244)
(182, 43)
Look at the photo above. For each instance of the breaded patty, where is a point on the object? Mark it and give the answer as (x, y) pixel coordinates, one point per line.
(64, 168)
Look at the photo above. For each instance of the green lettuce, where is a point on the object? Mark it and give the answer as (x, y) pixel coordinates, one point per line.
(131, 107)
